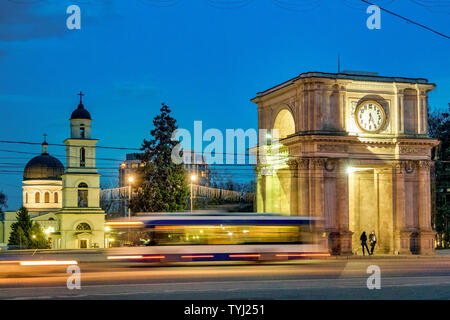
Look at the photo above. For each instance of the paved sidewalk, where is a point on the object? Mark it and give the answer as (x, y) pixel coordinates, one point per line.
(440, 254)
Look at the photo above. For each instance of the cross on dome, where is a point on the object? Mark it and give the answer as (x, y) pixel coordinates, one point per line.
(81, 94)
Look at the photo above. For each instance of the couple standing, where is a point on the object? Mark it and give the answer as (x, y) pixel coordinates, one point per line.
(372, 240)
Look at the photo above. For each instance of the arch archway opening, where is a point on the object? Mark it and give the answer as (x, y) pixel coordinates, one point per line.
(284, 123)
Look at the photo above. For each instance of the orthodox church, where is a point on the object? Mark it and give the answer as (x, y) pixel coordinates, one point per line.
(64, 201)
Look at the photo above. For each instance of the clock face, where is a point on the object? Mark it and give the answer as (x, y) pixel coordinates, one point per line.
(370, 116)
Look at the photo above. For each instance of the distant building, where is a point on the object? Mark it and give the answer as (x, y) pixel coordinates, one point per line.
(194, 164)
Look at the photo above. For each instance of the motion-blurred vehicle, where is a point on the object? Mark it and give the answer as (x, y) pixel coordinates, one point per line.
(200, 237)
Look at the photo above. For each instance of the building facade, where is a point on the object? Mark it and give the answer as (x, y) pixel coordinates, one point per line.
(65, 201)
(351, 148)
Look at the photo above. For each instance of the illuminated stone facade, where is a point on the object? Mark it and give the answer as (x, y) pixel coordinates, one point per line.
(353, 149)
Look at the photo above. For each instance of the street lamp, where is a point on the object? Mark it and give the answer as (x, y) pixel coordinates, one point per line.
(193, 178)
(130, 181)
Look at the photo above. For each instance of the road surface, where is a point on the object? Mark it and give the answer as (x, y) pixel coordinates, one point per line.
(424, 278)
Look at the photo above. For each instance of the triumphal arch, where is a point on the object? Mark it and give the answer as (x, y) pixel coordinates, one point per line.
(351, 148)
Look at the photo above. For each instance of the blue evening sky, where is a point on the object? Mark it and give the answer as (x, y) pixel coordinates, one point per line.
(204, 58)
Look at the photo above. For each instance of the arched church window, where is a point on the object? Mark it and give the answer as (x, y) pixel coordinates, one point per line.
(83, 227)
(82, 195)
(47, 197)
(82, 157)
(37, 197)
(56, 197)
(82, 131)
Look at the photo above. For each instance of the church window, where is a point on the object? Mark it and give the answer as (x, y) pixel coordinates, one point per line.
(82, 157)
(47, 197)
(83, 227)
(56, 197)
(82, 195)
(82, 132)
(37, 197)
(26, 197)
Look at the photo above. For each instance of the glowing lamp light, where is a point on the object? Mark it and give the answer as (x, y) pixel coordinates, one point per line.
(107, 228)
(130, 179)
(47, 263)
(49, 230)
(193, 177)
(350, 170)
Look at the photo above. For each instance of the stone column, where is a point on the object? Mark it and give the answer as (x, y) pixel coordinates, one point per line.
(317, 205)
(317, 177)
(293, 170)
(283, 190)
(303, 187)
(401, 236)
(400, 112)
(426, 234)
(342, 209)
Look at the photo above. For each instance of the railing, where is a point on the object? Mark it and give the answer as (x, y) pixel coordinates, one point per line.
(197, 190)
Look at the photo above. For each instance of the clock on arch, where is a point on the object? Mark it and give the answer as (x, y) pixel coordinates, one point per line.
(370, 116)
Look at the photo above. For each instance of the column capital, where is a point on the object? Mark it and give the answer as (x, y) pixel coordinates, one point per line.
(425, 164)
(303, 163)
(317, 163)
(292, 163)
(404, 166)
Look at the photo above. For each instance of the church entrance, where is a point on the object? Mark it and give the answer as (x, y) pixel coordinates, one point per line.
(83, 244)
(371, 207)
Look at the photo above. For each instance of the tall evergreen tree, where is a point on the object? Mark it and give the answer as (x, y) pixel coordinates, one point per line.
(21, 229)
(161, 183)
(38, 239)
(439, 128)
(26, 234)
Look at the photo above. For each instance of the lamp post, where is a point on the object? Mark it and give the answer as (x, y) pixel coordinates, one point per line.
(130, 181)
(193, 178)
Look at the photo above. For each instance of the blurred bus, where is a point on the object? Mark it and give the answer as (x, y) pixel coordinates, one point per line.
(200, 237)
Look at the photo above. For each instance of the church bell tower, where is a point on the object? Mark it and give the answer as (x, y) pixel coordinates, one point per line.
(82, 219)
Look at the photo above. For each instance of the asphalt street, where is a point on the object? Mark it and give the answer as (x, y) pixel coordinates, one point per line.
(424, 278)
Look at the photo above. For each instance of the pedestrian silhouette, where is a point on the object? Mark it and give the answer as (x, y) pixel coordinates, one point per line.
(363, 239)
(373, 241)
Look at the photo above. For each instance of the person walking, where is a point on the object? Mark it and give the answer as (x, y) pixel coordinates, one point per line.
(363, 239)
(373, 241)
